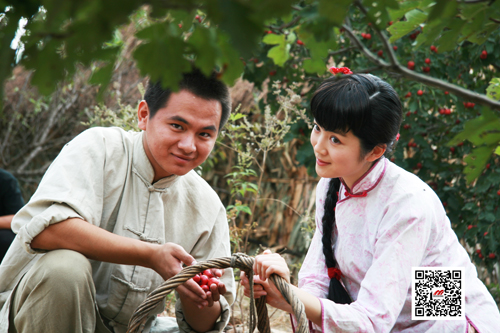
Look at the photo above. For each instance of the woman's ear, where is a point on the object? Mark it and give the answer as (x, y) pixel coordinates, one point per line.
(376, 153)
(143, 115)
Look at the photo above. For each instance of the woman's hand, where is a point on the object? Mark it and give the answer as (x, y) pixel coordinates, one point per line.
(267, 264)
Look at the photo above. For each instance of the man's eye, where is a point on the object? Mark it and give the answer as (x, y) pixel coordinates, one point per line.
(176, 126)
(206, 135)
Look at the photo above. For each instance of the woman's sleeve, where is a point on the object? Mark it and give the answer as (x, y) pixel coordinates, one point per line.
(400, 244)
(72, 187)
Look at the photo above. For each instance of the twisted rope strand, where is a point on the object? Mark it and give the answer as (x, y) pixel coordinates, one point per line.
(237, 260)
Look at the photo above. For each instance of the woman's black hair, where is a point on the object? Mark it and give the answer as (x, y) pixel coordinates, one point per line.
(371, 109)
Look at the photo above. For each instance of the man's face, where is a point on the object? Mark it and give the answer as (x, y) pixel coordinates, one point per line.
(181, 134)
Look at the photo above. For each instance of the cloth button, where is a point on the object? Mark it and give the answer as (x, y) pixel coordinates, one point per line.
(151, 188)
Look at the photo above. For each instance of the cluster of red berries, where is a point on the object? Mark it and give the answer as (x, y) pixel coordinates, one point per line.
(444, 111)
(480, 255)
(412, 144)
(198, 18)
(434, 49)
(366, 36)
(469, 105)
(206, 279)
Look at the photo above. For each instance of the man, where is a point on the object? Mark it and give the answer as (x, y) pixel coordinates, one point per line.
(119, 212)
(11, 201)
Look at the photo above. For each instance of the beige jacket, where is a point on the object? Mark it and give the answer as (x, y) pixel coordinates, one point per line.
(104, 177)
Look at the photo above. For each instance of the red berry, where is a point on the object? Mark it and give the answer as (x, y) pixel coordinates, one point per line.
(203, 280)
(460, 144)
(406, 126)
(434, 49)
(255, 60)
(498, 192)
(208, 273)
(197, 278)
(452, 149)
(480, 256)
(426, 69)
(367, 36)
(445, 203)
(363, 35)
(408, 95)
(390, 22)
(197, 17)
(419, 165)
(408, 113)
(491, 256)
(478, 251)
(457, 121)
(446, 93)
(485, 233)
(420, 92)
(470, 226)
(272, 73)
(488, 166)
(471, 105)
(447, 111)
(395, 48)
(180, 25)
(299, 42)
(269, 32)
(427, 61)
(484, 55)
(380, 53)
(441, 111)
(411, 65)
(205, 287)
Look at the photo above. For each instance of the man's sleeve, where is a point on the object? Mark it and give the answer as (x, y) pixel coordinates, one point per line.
(72, 187)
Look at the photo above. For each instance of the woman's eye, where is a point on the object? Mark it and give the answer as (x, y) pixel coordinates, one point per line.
(316, 127)
(334, 139)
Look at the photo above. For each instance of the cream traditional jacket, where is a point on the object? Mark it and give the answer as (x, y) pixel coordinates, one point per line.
(389, 222)
(104, 177)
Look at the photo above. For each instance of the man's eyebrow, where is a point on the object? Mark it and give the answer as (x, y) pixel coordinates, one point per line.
(182, 120)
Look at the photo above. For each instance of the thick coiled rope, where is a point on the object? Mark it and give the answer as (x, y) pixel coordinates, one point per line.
(237, 260)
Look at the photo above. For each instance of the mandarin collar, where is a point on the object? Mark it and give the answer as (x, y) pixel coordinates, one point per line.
(367, 182)
(144, 170)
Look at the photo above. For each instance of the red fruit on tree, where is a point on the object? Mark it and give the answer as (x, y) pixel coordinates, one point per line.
(408, 113)
(367, 36)
(491, 256)
(452, 149)
(488, 166)
(470, 226)
(447, 111)
(478, 251)
(420, 92)
(411, 65)
(441, 111)
(395, 48)
(419, 165)
(445, 204)
(498, 192)
(446, 93)
(485, 233)
(426, 69)
(427, 61)
(272, 73)
(299, 42)
(460, 144)
(480, 256)
(363, 34)
(390, 22)
(180, 25)
(255, 60)
(457, 121)
(380, 53)
(434, 49)
(408, 95)
(269, 32)
(406, 126)
(484, 55)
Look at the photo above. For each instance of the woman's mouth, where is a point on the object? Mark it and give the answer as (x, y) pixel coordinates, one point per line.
(321, 163)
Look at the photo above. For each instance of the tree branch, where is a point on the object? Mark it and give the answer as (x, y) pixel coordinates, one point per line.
(395, 66)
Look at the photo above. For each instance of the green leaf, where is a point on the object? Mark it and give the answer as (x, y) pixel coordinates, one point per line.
(404, 7)
(497, 150)
(399, 29)
(203, 42)
(476, 161)
(482, 36)
(102, 77)
(493, 90)
(335, 11)
(481, 130)
(279, 53)
(229, 60)
(448, 40)
(314, 66)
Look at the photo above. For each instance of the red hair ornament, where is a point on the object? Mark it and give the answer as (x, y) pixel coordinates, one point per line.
(341, 70)
(334, 273)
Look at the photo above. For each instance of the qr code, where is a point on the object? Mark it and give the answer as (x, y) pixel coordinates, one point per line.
(437, 293)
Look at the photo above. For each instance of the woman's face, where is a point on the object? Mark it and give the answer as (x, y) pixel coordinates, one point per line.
(340, 155)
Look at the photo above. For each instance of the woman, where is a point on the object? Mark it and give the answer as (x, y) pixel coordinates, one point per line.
(375, 221)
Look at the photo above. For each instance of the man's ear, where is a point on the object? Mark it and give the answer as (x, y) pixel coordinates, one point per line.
(376, 153)
(143, 114)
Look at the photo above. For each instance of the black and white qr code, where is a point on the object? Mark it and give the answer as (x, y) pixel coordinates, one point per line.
(437, 293)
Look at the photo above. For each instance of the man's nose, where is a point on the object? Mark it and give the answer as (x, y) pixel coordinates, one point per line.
(187, 144)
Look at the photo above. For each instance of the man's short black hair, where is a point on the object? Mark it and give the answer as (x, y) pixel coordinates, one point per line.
(209, 88)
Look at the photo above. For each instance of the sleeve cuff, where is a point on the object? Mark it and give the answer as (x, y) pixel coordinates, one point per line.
(54, 214)
(219, 325)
